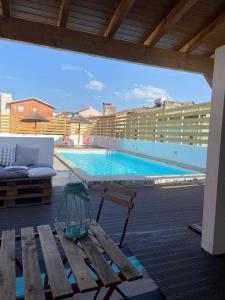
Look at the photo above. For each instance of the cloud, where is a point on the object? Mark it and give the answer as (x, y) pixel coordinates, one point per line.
(95, 85)
(89, 74)
(65, 67)
(147, 93)
(9, 77)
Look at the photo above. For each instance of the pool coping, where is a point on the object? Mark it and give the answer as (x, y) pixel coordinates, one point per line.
(129, 180)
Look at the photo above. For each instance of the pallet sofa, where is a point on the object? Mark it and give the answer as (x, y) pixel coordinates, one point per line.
(24, 178)
(25, 191)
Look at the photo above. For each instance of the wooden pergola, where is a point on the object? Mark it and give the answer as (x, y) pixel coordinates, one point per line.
(177, 34)
(166, 33)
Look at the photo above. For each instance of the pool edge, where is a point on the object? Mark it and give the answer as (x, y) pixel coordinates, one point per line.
(130, 180)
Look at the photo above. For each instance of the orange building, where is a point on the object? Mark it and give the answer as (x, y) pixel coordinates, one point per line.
(26, 107)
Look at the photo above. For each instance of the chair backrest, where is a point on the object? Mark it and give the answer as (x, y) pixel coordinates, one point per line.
(121, 196)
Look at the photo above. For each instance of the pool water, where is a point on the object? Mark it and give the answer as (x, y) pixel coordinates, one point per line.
(114, 163)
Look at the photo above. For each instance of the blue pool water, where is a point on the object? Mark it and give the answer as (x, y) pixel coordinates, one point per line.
(108, 163)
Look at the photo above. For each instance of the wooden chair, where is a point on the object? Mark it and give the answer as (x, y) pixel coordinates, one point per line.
(121, 196)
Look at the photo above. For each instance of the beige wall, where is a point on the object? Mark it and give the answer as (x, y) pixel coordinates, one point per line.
(90, 112)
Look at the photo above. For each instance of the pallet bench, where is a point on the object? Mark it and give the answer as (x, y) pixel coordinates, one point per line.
(25, 191)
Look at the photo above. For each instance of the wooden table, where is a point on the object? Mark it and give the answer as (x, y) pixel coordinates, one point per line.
(88, 254)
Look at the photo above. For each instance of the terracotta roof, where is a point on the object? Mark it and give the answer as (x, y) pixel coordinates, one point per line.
(29, 99)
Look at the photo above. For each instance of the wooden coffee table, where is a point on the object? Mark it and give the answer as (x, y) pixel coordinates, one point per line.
(86, 258)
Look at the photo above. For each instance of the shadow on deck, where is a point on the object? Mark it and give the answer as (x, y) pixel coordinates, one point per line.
(157, 234)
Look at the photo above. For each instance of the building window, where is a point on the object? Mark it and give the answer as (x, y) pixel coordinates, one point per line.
(34, 109)
(20, 108)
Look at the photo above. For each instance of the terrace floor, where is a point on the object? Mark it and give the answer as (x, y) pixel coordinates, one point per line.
(157, 234)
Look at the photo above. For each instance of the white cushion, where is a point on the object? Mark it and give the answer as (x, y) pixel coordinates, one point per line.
(26, 156)
(41, 172)
(16, 167)
(7, 155)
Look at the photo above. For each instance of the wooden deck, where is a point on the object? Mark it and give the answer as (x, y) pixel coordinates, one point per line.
(157, 234)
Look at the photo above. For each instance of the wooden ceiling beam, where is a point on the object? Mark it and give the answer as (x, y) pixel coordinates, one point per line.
(74, 40)
(64, 13)
(203, 34)
(118, 17)
(209, 79)
(6, 8)
(178, 11)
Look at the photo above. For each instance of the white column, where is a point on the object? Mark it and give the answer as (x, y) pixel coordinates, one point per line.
(213, 230)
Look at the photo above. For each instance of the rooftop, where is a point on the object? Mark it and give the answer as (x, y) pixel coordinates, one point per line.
(30, 99)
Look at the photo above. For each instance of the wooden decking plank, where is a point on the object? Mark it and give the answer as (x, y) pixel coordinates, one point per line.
(58, 280)
(7, 266)
(118, 257)
(99, 263)
(31, 270)
(78, 266)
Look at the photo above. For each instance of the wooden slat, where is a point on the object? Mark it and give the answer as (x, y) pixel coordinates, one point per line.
(179, 10)
(196, 40)
(58, 281)
(31, 270)
(161, 125)
(117, 200)
(118, 17)
(120, 189)
(6, 8)
(78, 266)
(64, 13)
(7, 266)
(122, 262)
(99, 263)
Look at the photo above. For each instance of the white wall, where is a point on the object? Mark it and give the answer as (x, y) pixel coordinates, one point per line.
(4, 100)
(186, 154)
(45, 145)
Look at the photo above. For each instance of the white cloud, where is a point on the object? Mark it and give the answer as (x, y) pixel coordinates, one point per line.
(89, 74)
(95, 85)
(147, 93)
(65, 67)
(9, 77)
(117, 93)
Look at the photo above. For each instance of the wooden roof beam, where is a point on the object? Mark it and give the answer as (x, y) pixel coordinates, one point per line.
(6, 8)
(64, 13)
(179, 10)
(203, 34)
(209, 79)
(118, 17)
(74, 40)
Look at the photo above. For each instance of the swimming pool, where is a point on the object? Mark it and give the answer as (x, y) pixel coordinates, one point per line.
(114, 163)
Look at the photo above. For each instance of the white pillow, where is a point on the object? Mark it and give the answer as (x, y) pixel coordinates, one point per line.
(16, 167)
(41, 172)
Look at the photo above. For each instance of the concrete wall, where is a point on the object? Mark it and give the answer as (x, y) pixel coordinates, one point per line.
(45, 145)
(185, 154)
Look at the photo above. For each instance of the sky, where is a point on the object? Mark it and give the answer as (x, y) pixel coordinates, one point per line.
(71, 81)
